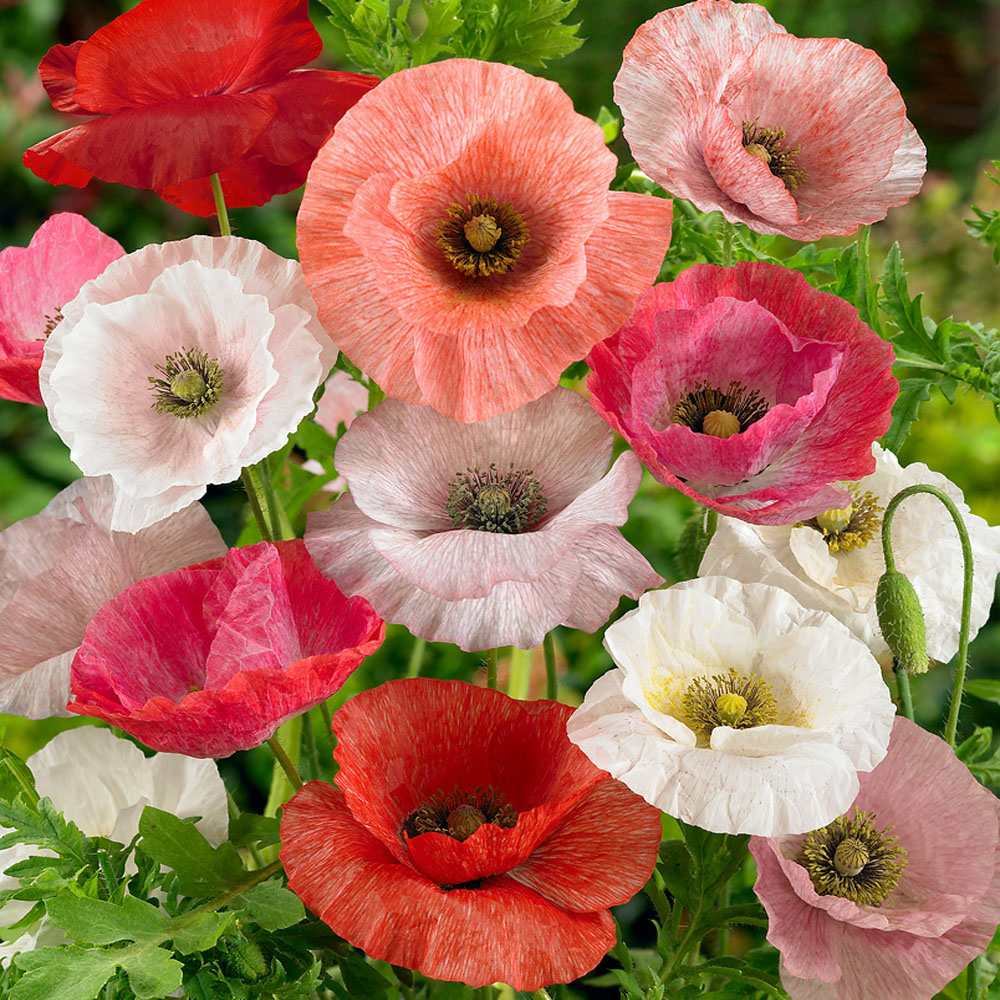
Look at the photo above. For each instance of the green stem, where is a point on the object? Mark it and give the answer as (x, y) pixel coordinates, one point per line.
(280, 527)
(972, 979)
(491, 668)
(324, 710)
(519, 676)
(903, 683)
(286, 762)
(251, 483)
(724, 900)
(951, 727)
(542, 994)
(416, 658)
(711, 523)
(309, 749)
(220, 206)
(551, 683)
(727, 245)
(659, 900)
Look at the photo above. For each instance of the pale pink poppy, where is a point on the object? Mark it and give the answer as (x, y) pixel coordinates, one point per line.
(59, 567)
(459, 238)
(800, 136)
(179, 366)
(483, 534)
(343, 399)
(748, 390)
(35, 283)
(939, 904)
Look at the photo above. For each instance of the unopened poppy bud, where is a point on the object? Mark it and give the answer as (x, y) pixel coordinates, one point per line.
(902, 621)
(243, 956)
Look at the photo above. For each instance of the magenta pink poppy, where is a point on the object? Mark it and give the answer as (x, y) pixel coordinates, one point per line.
(800, 136)
(213, 658)
(748, 390)
(896, 897)
(35, 283)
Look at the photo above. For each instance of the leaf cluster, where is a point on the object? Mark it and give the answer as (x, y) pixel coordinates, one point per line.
(382, 38)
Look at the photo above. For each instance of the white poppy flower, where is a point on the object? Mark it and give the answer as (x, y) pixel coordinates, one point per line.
(178, 366)
(833, 562)
(736, 709)
(102, 783)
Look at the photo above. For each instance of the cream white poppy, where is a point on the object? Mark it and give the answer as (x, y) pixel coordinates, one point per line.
(102, 783)
(833, 562)
(736, 709)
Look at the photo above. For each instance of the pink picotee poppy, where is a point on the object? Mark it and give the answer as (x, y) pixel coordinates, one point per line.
(748, 390)
(800, 136)
(460, 241)
(467, 838)
(211, 659)
(35, 283)
(931, 852)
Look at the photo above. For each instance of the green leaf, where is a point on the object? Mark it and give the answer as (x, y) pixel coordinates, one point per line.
(912, 392)
(987, 689)
(610, 123)
(16, 778)
(916, 334)
(201, 870)
(43, 825)
(976, 745)
(272, 906)
(152, 972)
(317, 443)
(203, 933)
(63, 973)
(675, 869)
(360, 978)
(249, 828)
(98, 922)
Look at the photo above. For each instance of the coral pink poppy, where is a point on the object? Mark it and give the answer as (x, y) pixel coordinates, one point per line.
(748, 390)
(186, 89)
(459, 238)
(213, 658)
(801, 136)
(896, 897)
(483, 534)
(35, 283)
(56, 570)
(467, 837)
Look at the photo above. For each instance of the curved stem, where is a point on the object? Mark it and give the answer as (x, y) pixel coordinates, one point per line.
(951, 726)
(491, 668)
(286, 762)
(551, 684)
(903, 683)
(220, 206)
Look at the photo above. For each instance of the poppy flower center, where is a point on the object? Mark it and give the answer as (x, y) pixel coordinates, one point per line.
(190, 385)
(854, 526)
(459, 814)
(51, 322)
(740, 701)
(850, 858)
(717, 412)
(504, 502)
(768, 144)
(483, 237)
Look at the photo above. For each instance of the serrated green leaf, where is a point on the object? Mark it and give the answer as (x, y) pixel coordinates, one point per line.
(249, 828)
(200, 869)
(271, 905)
(16, 778)
(203, 933)
(152, 972)
(317, 442)
(675, 866)
(43, 825)
(95, 921)
(360, 978)
(63, 973)
(912, 392)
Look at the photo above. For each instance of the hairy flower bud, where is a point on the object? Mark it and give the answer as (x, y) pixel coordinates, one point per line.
(901, 620)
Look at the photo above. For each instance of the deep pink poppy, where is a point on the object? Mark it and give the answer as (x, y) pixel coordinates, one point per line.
(35, 283)
(211, 659)
(468, 838)
(748, 390)
(187, 89)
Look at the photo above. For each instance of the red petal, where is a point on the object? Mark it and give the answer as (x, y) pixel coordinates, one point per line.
(19, 380)
(230, 649)
(500, 931)
(155, 147)
(600, 855)
(165, 50)
(58, 74)
(403, 742)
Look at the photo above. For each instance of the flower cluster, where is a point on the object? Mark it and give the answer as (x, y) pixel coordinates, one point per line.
(469, 246)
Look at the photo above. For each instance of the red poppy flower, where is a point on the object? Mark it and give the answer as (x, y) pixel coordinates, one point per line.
(213, 658)
(187, 89)
(469, 839)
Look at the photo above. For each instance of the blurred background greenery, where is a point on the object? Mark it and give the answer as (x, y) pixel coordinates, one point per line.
(944, 57)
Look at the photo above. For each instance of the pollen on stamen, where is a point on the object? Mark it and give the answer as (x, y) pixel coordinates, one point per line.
(719, 412)
(852, 527)
(768, 144)
(508, 502)
(190, 384)
(740, 701)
